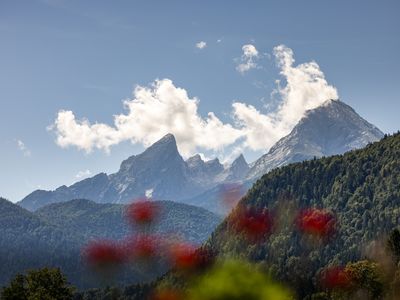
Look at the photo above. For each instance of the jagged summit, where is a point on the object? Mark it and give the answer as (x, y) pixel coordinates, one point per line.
(194, 161)
(239, 160)
(332, 128)
(167, 140)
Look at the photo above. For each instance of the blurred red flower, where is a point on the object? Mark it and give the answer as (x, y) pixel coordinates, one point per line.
(316, 222)
(254, 224)
(167, 294)
(142, 211)
(143, 247)
(184, 256)
(335, 278)
(103, 253)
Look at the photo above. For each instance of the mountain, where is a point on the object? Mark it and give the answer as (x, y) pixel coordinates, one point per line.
(238, 170)
(360, 190)
(159, 171)
(332, 128)
(54, 235)
(95, 221)
(27, 242)
(203, 173)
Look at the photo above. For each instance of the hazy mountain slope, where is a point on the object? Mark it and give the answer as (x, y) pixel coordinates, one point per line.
(27, 241)
(333, 128)
(159, 171)
(361, 188)
(94, 220)
(54, 235)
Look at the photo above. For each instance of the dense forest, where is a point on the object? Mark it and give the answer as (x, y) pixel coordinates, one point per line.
(360, 190)
(55, 235)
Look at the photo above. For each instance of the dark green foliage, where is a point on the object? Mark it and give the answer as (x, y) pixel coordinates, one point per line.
(16, 289)
(132, 292)
(43, 284)
(361, 188)
(393, 244)
(368, 277)
(54, 235)
(29, 242)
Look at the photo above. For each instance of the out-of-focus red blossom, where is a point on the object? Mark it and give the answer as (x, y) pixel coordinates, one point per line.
(230, 194)
(103, 253)
(142, 247)
(185, 256)
(335, 278)
(167, 294)
(316, 222)
(142, 211)
(254, 224)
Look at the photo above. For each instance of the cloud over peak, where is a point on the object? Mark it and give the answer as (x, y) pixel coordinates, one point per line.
(151, 113)
(162, 108)
(305, 88)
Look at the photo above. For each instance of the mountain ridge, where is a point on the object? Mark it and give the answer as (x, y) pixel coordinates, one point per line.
(53, 236)
(161, 172)
(330, 129)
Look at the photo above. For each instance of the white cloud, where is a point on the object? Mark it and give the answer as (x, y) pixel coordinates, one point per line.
(306, 88)
(22, 147)
(248, 59)
(83, 174)
(201, 45)
(153, 112)
(164, 108)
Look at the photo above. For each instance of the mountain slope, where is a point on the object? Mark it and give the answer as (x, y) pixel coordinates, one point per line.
(27, 241)
(159, 171)
(55, 234)
(333, 128)
(361, 188)
(95, 221)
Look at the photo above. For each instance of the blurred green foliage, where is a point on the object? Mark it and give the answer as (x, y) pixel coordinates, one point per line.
(42, 284)
(236, 280)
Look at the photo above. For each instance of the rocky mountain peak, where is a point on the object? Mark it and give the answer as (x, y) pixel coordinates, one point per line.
(332, 128)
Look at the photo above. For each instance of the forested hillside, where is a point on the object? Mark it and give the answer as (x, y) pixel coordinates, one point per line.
(54, 236)
(360, 190)
(100, 221)
(27, 241)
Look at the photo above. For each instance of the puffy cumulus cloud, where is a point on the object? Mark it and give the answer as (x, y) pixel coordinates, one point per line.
(153, 112)
(164, 108)
(259, 129)
(248, 59)
(201, 45)
(305, 88)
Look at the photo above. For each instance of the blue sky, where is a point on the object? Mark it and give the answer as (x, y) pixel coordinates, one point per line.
(87, 56)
